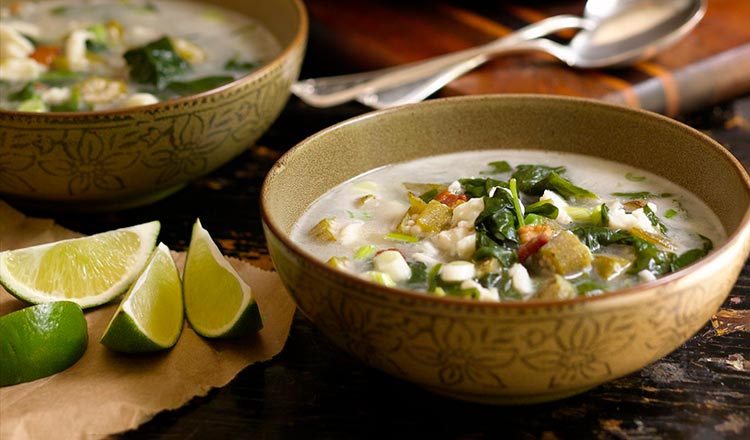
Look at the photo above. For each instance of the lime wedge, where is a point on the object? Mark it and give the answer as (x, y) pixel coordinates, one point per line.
(41, 340)
(150, 316)
(88, 271)
(218, 303)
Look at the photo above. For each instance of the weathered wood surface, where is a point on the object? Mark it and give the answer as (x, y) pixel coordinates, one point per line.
(314, 390)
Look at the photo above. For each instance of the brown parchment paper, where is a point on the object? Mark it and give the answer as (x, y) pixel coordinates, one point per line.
(105, 392)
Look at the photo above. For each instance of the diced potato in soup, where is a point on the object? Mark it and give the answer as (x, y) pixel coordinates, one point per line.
(88, 55)
(502, 225)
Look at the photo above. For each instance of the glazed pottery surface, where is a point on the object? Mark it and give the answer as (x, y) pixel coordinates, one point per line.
(127, 157)
(510, 352)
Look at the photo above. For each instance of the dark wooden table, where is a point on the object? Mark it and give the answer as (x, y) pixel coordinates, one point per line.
(314, 390)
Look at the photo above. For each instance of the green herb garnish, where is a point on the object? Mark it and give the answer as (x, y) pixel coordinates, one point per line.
(397, 236)
(364, 252)
(641, 195)
(359, 215)
(654, 219)
(634, 177)
(517, 205)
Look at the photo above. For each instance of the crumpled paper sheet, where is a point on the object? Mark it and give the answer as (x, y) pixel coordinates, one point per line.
(106, 392)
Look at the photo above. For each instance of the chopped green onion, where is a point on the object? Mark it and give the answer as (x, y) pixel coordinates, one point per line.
(366, 186)
(516, 202)
(578, 213)
(472, 293)
(641, 195)
(634, 177)
(432, 278)
(600, 216)
(397, 236)
(534, 219)
(379, 277)
(438, 292)
(35, 104)
(364, 252)
(670, 213)
(359, 215)
(338, 262)
(652, 217)
(633, 195)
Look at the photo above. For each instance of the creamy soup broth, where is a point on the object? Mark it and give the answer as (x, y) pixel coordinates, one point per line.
(367, 216)
(64, 48)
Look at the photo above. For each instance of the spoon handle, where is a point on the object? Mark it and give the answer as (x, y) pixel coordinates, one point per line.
(416, 91)
(330, 91)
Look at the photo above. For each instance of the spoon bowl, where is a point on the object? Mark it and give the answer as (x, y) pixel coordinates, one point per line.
(634, 33)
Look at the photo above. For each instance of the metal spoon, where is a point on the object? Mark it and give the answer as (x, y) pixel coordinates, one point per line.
(613, 34)
(638, 30)
(334, 90)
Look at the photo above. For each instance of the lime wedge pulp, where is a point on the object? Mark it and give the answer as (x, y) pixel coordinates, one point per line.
(89, 271)
(150, 317)
(218, 303)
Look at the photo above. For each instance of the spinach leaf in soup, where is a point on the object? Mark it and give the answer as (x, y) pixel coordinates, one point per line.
(155, 63)
(478, 187)
(535, 179)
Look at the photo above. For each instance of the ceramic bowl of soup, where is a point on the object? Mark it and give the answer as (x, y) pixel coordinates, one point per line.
(513, 339)
(108, 105)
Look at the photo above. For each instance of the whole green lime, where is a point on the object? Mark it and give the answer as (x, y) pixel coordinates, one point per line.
(41, 340)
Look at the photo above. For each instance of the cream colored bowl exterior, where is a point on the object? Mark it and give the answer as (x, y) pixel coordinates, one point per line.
(506, 352)
(116, 159)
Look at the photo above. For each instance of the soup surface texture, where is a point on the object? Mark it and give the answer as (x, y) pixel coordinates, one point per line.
(509, 225)
(84, 55)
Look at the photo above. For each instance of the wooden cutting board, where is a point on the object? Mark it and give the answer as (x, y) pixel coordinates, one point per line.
(709, 65)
